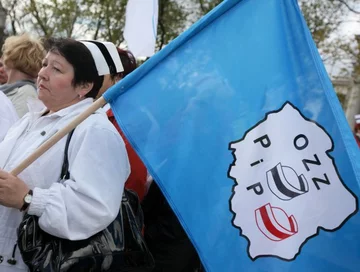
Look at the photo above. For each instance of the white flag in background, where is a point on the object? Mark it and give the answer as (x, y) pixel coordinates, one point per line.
(140, 26)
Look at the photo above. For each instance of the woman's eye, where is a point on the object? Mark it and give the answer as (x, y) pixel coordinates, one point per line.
(44, 65)
(56, 69)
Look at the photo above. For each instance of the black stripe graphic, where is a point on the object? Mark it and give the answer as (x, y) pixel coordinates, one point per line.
(302, 184)
(110, 62)
(285, 191)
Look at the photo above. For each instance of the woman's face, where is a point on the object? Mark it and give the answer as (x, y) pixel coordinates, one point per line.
(55, 86)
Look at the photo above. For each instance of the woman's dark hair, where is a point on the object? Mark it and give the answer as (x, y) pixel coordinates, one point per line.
(128, 61)
(79, 56)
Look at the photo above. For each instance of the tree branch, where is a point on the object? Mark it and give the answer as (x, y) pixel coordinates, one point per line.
(161, 24)
(73, 21)
(12, 15)
(348, 6)
(201, 2)
(38, 19)
(98, 25)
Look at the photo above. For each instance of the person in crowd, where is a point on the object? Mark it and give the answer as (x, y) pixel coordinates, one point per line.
(3, 74)
(87, 202)
(8, 115)
(22, 56)
(164, 235)
(357, 129)
(138, 175)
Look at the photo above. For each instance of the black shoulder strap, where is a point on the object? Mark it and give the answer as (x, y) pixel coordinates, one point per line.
(65, 174)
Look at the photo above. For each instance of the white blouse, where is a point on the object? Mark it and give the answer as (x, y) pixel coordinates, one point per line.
(76, 208)
(8, 115)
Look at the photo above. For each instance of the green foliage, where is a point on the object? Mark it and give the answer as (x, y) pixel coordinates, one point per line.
(52, 17)
(356, 58)
(206, 6)
(105, 19)
(95, 19)
(172, 21)
(324, 19)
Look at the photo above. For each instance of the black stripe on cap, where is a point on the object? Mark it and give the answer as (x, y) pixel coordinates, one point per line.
(110, 62)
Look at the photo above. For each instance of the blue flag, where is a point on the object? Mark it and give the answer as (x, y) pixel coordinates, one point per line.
(238, 123)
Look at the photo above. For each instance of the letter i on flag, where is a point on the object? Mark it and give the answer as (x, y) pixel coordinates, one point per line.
(238, 123)
(141, 27)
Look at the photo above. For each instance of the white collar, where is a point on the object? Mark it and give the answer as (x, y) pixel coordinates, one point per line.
(77, 107)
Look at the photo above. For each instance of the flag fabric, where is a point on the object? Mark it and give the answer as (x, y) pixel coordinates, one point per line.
(238, 123)
(141, 26)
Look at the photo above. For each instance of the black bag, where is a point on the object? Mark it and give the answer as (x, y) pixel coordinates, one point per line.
(120, 247)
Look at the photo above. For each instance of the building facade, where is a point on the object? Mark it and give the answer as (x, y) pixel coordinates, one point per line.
(348, 91)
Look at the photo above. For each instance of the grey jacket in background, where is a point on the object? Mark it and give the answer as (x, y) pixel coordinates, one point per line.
(19, 93)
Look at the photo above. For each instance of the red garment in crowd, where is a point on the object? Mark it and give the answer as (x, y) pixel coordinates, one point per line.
(137, 178)
(357, 140)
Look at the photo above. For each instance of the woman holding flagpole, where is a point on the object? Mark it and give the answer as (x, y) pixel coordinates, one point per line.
(86, 202)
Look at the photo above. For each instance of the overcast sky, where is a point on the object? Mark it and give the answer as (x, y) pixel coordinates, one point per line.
(352, 25)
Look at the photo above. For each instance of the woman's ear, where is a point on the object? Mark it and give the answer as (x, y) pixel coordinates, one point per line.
(84, 88)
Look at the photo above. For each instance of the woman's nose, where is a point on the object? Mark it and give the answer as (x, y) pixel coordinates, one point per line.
(42, 73)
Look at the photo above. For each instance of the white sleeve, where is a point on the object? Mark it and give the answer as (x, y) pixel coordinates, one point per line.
(4, 126)
(90, 200)
(8, 115)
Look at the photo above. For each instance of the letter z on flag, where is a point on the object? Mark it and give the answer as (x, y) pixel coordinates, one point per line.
(238, 123)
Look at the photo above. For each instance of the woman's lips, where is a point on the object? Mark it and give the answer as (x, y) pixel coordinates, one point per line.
(41, 86)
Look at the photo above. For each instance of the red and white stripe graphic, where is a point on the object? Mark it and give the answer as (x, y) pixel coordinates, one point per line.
(267, 220)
